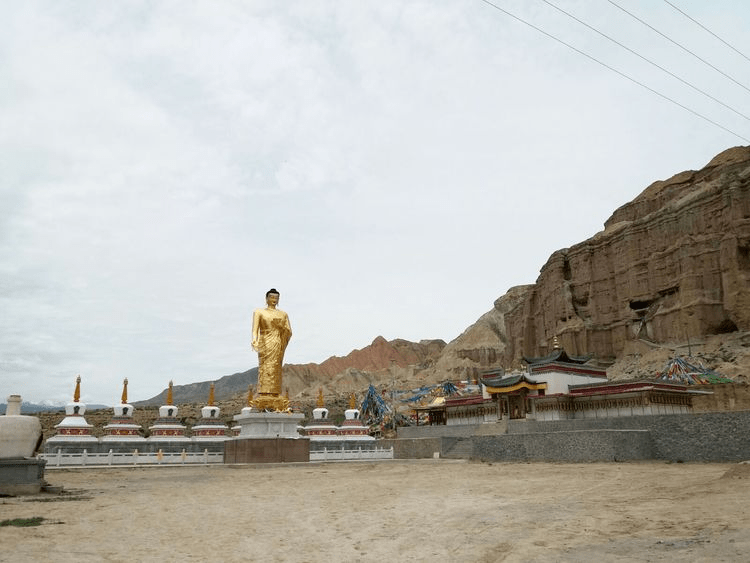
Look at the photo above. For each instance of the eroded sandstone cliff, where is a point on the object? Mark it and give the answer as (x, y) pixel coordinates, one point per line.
(671, 266)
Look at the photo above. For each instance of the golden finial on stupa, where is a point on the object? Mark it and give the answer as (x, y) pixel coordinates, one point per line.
(211, 396)
(169, 393)
(320, 402)
(77, 392)
(352, 401)
(286, 393)
(249, 395)
(124, 398)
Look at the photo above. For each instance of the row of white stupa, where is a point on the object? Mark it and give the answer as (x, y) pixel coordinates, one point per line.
(122, 428)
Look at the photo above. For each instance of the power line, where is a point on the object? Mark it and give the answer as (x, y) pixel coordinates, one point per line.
(704, 61)
(605, 65)
(699, 24)
(645, 59)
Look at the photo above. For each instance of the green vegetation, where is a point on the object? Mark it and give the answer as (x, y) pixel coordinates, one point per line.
(22, 522)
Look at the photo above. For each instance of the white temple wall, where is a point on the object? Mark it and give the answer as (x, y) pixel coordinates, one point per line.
(559, 382)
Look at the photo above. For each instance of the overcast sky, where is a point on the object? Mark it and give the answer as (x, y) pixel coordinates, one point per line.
(392, 167)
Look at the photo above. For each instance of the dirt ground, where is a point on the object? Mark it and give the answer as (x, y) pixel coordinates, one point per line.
(416, 510)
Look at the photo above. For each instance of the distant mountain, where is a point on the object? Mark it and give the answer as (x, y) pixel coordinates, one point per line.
(30, 408)
(381, 360)
(225, 387)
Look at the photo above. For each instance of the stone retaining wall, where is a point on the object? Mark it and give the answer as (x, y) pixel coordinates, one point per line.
(439, 431)
(718, 436)
(575, 446)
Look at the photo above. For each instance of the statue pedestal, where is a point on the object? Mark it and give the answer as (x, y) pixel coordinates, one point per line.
(269, 424)
(23, 476)
(267, 437)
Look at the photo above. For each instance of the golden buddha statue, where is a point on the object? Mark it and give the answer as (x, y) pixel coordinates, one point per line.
(271, 334)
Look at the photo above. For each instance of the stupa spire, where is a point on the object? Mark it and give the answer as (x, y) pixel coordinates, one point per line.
(169, 393)
(77, 392)
(249, 395)
(352, 401)
(124, 399)
(211, 396)
(320, 402)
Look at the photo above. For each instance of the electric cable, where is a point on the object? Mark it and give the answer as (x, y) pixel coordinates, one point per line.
(646, 59)
(699, 24)
(704, 61)
(605, 65)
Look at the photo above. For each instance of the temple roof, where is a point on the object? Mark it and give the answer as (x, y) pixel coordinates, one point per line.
(500, 384)
(502, 380)
(623, 386)
(557, 355)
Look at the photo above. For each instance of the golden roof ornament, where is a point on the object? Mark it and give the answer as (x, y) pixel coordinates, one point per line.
(249, 395)
(211, 396)
(352, 401)
(169, 393)
(124, 398)
(320, 402)
(556, 343)
(77, 392)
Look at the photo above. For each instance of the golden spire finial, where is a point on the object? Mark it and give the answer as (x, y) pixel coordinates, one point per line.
(286, 393)
(77, 392)
(555, 343)
(169, 393)
(249, 395)
(211, 396)
(124, 399)
(320, 402)
(352, 401)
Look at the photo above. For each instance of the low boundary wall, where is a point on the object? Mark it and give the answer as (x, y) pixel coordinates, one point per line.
(717, 436)
(413, 448)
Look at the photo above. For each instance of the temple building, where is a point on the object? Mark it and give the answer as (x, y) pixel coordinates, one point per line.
(558, 387)
(458, 411)
(553, 374)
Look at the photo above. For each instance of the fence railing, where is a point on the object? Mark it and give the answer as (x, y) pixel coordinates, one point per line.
(342, 454)
(84, 459)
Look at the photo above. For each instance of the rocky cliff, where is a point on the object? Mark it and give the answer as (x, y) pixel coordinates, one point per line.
(670, 267)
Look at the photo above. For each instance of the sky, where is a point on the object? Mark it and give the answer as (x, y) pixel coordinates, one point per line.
(391, 167)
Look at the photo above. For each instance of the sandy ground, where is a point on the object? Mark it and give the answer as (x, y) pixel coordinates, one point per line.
(416, 510)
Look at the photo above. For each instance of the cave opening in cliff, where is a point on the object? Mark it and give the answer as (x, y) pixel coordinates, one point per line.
(743, 257)
(567, 272)
(724, 327)
(641, 304)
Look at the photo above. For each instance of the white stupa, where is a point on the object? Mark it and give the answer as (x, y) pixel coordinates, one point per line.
(352, 428)
(122, 428)
(167, 427)
(74, 428)
(210, 426)
(321, 427)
